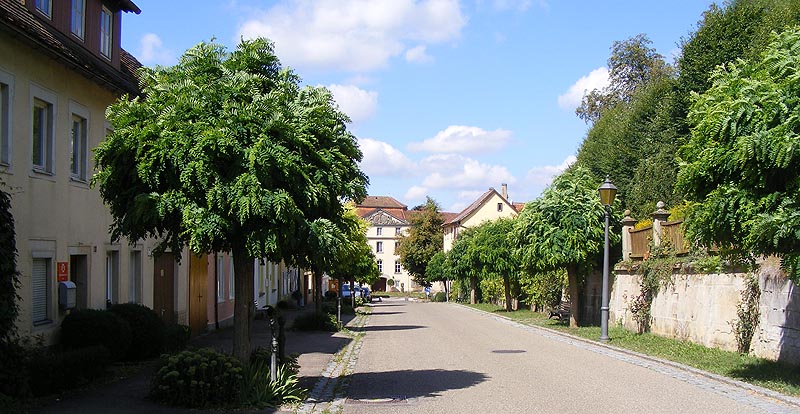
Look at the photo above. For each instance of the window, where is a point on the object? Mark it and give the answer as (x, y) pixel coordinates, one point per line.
(396, 266)
(105, 33)
(40, 289)
(231, 279)
(380, 266)
(42, 156)
(5, 121)
(379, 231)
(499, 206)
(397, 231)
(135, 292)
(220, 279)
(77, 21)
(396, 247)
(44, 6)
(112, 277)
(80, 148)
(379, 247)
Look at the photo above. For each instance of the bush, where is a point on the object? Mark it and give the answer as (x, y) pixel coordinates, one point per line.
(440, 297)
(316, 322)
(89, 327)
(259, 391)
(14, 378)
(198, 378)
(52, 372)
(147, 330)
(176, 337)
(330, 295)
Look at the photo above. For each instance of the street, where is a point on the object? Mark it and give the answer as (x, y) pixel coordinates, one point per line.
(421, 357)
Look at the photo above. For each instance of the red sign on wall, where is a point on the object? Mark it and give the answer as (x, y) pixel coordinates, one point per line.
(63, 271)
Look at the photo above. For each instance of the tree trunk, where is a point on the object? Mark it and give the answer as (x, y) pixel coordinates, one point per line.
(507, 289)
(317, 274)
(574, 296)
(473, 287)
(243, 306)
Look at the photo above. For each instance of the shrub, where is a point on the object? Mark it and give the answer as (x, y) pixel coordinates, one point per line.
(330, 295)
(176, 337)
(259, 391)
(147, 330)
(198, 378)
(316, 322)
(52, 372)
(89, 327)
(440, 297)
(13, 370)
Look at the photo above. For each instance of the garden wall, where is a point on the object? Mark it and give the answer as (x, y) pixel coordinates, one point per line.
(701, 307)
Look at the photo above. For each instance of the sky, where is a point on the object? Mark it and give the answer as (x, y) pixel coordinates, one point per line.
(447, 98)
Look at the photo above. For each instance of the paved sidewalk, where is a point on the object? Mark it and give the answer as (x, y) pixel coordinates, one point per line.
(315, 349)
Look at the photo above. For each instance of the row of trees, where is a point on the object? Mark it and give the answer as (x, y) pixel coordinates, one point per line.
(225, 151)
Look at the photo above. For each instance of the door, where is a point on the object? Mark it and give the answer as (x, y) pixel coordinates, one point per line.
(164, 287)
(198, 285)
(79, 274)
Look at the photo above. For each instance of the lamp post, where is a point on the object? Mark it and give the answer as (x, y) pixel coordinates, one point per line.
(607, 193)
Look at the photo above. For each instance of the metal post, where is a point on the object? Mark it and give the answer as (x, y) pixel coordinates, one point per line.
(273, 355)
(604, 298)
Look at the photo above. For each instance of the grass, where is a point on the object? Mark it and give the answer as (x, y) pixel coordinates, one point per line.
(776, 376)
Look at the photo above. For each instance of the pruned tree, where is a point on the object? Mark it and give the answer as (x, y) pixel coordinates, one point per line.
(493, 252)
(425, 238)
(563, 229)
(225, 152)
(741, 164)
(461, 262)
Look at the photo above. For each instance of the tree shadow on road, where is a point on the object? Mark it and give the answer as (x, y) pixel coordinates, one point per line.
(410, 383)
(391, 328)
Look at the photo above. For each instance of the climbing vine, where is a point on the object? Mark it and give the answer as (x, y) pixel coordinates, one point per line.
(656, 273)
(9, 277)
(747, 313)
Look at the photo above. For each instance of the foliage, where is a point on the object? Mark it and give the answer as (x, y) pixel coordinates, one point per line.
(492, 253)
(741, 162)
(491, 289)
(563, 229)
(544, 289)
(9, 276)
(423, 240)
(439, 297)
(147, 330)
(53, 371)
(317, 321)
(656, 272)
(747, 314)
(198, 378)
(89, 327)
(437, 269)
(176, 337)
(356, 260)
(258, 391)
(226, 152)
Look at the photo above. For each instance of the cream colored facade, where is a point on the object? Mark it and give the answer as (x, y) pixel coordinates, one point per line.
(489, 206)
(383, 235)
(59, 218)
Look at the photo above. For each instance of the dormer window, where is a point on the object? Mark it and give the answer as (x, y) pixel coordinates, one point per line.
(78, 19)
(45, 7)
(105, 33)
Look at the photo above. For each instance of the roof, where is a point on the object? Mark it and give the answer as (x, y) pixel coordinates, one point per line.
(20, 23)
(518, 206)
(381, 202)
(472, 207)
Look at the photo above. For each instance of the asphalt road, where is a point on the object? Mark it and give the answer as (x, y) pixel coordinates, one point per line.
(445, 358)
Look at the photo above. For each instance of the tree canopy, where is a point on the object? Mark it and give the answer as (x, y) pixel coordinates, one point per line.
(425, 238)
(493, 254)
(226, 152)
(742, 161)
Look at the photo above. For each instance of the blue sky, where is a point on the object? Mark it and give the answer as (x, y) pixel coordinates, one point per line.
(447, 97)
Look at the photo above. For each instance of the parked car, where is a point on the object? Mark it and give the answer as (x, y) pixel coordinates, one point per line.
(346, 292)
(366, 294)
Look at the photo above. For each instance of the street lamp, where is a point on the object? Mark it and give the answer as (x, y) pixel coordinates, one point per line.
(607, 193)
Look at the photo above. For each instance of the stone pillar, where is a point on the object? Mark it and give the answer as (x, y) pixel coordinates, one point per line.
(627, 226)
(659, 217)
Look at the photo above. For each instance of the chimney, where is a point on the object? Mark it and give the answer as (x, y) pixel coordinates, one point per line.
(504, 191)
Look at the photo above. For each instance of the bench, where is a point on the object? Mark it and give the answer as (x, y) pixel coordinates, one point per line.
(562, 312)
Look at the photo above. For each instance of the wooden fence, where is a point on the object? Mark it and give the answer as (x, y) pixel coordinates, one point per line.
(671, 232)
(640, 241)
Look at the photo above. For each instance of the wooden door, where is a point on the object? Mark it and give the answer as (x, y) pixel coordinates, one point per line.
(164, 287)
(198, 285)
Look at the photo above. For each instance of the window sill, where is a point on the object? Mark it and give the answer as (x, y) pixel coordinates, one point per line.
(77, 182)
(41, 324)
(42, 175)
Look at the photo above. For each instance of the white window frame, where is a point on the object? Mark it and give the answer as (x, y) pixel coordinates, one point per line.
(6, 116)
(45, 7)
(135, 276)
(79, 165)
(220, 279)
(112, 276)
(398, 230)
(397, 268)
(379, 231)
(77, 22)
(379, 247)
(231, 279)
(499, 207)
(48, 306)
(380, 266)
(47, 102)
(106, 32)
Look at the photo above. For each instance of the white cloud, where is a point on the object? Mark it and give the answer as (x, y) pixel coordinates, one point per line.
(463, 139)
(415, 194)
(543, 176)
(381, 158)
(353, 35)
(357, 103)
(152, 51)
(596, 79)
(452, 171)
(418, 55)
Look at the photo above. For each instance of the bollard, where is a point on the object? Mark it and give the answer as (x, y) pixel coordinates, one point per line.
(273, 354)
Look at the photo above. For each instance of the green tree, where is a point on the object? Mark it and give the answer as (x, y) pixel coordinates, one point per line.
(741, 163)
(563, 229)
(544, 289)
(437, 269)
(355, 262)
(9, 277)
(424, 239)
(225, 152)
(462, 263)
(493, 251)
